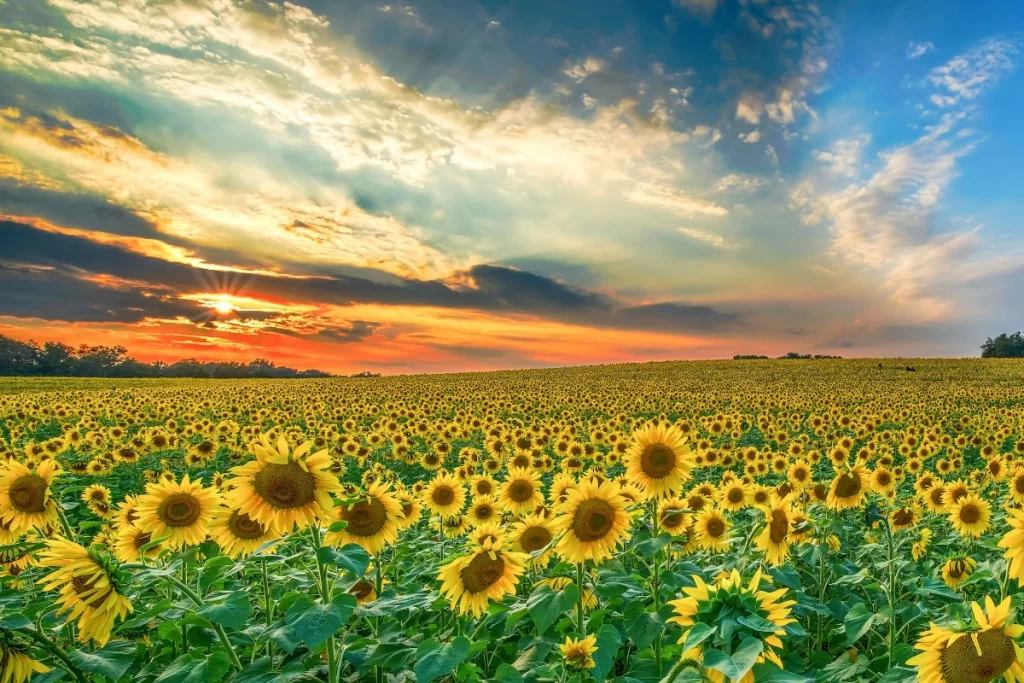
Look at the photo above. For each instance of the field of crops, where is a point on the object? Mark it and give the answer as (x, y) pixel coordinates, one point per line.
(707, 521)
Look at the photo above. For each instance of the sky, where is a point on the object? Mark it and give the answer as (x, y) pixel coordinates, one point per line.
(441, 185)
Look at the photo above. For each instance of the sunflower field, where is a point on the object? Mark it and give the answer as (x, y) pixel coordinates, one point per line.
(775, 521)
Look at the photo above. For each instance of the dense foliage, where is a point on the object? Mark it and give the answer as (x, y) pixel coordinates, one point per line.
(716, 521)
(54, 359)
(1004, 346)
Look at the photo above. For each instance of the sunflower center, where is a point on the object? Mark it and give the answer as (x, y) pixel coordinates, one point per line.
(593, 520)
(179, 510)
(695, 502)
(205, 447)
(28, 493)
(483, 511)
(969, 514)
(961, 662)
(820, 492)
(361, 589)
(443, 495)
(245, 527)
(670, 519)
(735, 495)
(848, 486)
(779, 526)
(482, 572)
(285, 486)
(936, 496)
(520, 491)
(85, 589)
(903, 516)
(483, 487)
(142, 539)
(535, 538)
(365, 518)
(716, 527)
(657, 461)
(1018, 484)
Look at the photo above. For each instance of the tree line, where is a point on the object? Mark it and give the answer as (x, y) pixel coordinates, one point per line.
(1004, 346)
(54, 359)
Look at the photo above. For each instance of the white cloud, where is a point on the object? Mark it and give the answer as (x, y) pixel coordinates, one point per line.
(915, 49)
(751, 137)
(845, 156)
(665, 197)
(580, 70)
(749, 108)
(968, 75)
(740, 181)
(706, 237)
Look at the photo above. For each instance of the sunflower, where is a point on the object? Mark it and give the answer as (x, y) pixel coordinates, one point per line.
(933, 498)
(364, 590)
(561, 486)
(283, 489)
(88, 589)
(237, 534)
(578, 654)
(557, 583)
(25, 499)
(774, 539)
(1017, 487)
(444, 495)
(412, 510)
(1013, 541)
(533, 534)
(957, 570)
(372, 521)
(673, 515)
(491, 531)
(882, 481)
(903, 517)
(728, 597)
(178, 513)
(711, 530)
(128, 542)
(658, 460)
(96, 493)
(733, 496)
(848, 489)
(980, 653)
(482, 511)
(16, 666)
(970, 515)
(521, 492)
(920, 548)
(490, 573)
(592, 521)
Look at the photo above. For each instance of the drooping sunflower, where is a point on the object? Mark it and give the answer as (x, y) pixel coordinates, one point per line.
(238, 534)
(521, 491)
(88, 588)
(659, 459)
(674, 516)
(711, 530)
(281, 488)
(16, 665)
(1013, 542)
(709, 604)
(848, 489)
(920, 547)
(444, 495)
(25, 499)
(903, 517)
(471, 581)
(578, 654)
(592, 522)
(372, 521)
(531, 534)
(956, 570)
(178, 512)
(774, 539)
(970, 515)
(985, 651)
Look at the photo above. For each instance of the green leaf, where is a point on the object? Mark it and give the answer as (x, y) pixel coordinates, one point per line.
(110, 662)
(391, 656)
(507, 673)
(212, 571)
(608, 641)
(337, 525)
(13, 622)
(232, 612)
(769, 673)
(642, 626)
(746, 655)
(313, 623)
(546, 605)
(697, 635)
(756, 623)
(434, 660)
(899, 674)
(351, 557)
(719, 661)
(196, 669)
(858, 621)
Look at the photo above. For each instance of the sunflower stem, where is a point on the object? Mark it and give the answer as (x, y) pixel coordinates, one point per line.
(325, 598)
(194, 597)
(656, 583)
(268, 605)
(37, 635)
(68, 531)
(891, 553)
(580, 626)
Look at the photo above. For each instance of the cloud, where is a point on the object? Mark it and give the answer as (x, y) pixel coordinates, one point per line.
(749, 108)
(751, 137)
(844, 158)
(968, 75)
(740, 181)
(578, 71)
(707, 237)
(702, 8)
(915, 49)
(665, 197)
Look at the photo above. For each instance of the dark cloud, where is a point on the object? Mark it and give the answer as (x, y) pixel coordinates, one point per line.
(497, 289)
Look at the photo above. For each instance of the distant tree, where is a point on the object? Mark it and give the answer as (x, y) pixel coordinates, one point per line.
(749, 356)
(18, 358)
(1004, 346)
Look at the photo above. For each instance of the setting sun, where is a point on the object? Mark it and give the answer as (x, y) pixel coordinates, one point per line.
(223, 307)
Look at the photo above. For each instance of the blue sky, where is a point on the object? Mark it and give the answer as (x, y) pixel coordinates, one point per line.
(625, 181)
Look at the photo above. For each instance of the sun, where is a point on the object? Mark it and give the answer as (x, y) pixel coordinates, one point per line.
(223, 307)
